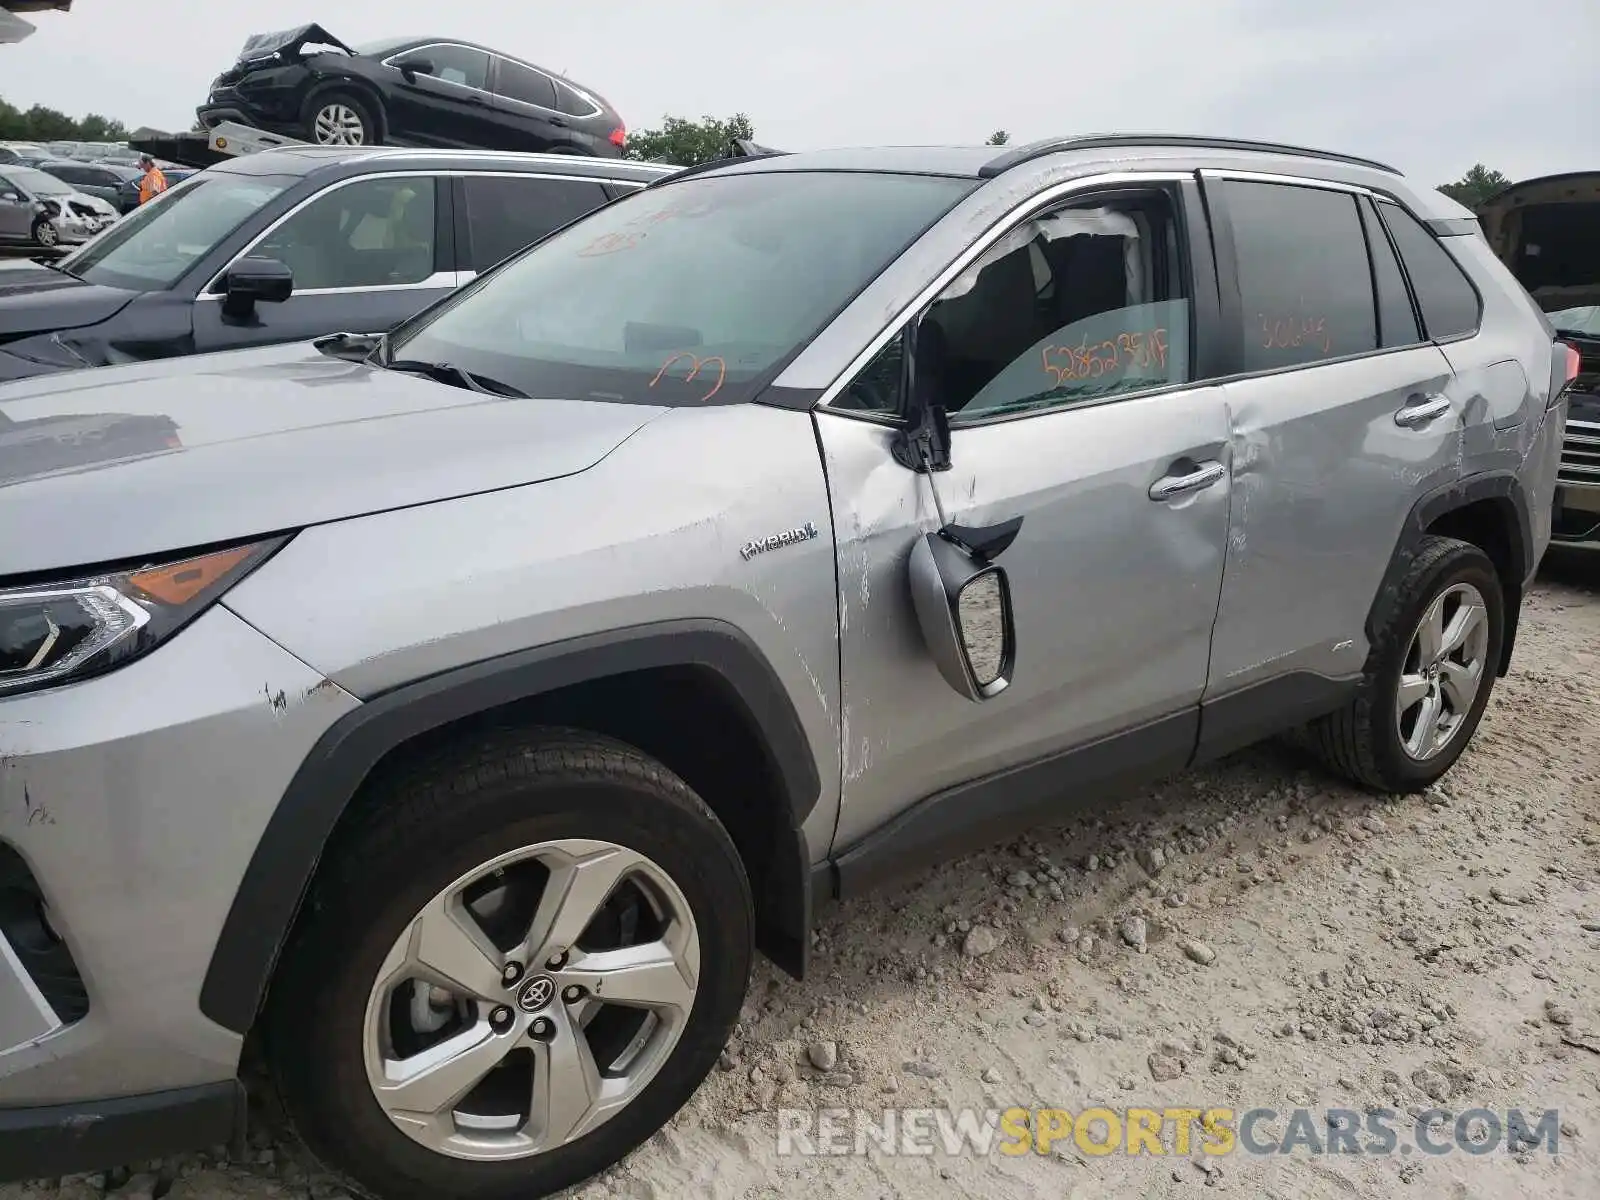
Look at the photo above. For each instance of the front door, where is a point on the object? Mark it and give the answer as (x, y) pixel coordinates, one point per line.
(1065, 358)
(365, 255)
(451, 106)
(1343, 415)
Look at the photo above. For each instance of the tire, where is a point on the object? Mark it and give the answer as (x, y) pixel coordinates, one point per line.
(1367, 740)
(44, 234)
(418, 836)
(341, 118)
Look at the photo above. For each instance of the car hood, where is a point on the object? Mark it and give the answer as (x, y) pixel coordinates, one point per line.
(37, 300)
(158, 457)
(286, 43)
(1547, 231)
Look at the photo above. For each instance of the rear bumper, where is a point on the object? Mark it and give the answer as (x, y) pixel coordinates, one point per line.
(92, 1135)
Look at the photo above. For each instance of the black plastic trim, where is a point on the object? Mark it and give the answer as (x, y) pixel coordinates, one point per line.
(1258, 711)
(970, 815)
(281, 868)
(1488, 485)
(1109, 141)
(93, 1135)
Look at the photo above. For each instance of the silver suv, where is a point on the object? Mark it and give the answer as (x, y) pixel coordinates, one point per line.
(458, 712)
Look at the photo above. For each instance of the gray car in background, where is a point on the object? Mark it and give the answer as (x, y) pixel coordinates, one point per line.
(455, 713)
(37, 207)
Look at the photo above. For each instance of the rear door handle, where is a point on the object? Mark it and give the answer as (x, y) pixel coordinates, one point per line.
(1170, 487)
(1421, 410)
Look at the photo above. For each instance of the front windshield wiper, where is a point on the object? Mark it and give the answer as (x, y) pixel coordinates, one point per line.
(453, 375)
(1577, 333)
(56, 266)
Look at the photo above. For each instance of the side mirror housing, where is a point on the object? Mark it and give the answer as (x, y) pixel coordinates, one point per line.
(963, 606)
(412, 67)
(255, 280)
(10, 197)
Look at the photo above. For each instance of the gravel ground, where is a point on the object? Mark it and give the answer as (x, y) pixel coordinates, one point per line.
(1253, 935)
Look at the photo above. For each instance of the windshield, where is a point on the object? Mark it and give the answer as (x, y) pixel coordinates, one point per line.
(683, 294)
(1584, 320)
(156, 244)
(37, 182)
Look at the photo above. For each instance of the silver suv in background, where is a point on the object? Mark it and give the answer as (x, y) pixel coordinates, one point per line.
(459, 711)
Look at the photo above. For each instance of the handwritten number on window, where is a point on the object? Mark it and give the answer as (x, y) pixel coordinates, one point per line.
(1141, 349)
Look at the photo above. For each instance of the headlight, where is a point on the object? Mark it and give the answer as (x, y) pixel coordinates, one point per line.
(59, 632)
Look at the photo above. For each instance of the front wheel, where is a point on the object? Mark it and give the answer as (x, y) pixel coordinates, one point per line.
(518, 966)
(341, 119)
(45, 234)
(1429, 674)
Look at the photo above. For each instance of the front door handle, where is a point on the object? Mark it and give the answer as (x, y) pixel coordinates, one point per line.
(1421, 410)
(1170, 487)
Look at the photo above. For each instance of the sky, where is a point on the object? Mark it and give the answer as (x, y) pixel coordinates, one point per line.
(1432, 86)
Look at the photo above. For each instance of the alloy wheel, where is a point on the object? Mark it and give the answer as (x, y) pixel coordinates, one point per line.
(339, 125)
(531, 1000)
(1443, 671)
(46, 234)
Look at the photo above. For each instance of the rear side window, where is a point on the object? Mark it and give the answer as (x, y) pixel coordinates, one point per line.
(569, 101)
(1304, 279)
(1397, 320)
(517, 82)
(505, 213)
(1448, 301)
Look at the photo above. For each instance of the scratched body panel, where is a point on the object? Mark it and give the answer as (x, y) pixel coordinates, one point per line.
(381, 600)
(1114, 594)
(138, 801)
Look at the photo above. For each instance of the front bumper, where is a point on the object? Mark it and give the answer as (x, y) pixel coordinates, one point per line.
(74, 231)
(133, 802)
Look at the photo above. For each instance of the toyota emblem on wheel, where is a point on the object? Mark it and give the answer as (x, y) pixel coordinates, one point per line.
(536, 993)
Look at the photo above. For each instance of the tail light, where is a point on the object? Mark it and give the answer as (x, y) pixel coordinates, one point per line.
(1564, 371)
(619, 137)
(1574, 362)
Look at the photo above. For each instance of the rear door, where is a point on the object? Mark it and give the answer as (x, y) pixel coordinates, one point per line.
(365, 253)
(499, 214)
(526, 110)
(16, 215)
(1342, 415)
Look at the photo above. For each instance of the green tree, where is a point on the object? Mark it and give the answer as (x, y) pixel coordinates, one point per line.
(41, 124)
(686, 142)
(1476, 186)
(998, 138)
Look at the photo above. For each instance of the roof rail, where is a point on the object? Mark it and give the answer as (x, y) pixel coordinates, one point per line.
(739, 150)
(1098, 141)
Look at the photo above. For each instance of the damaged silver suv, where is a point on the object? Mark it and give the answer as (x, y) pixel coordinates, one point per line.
(457, 713)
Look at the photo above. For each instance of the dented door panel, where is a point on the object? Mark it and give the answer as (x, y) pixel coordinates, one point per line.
(1323, 479)
(1114, 594)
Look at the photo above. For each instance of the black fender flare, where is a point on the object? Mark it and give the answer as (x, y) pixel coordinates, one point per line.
(1504, 488)
(285, 859)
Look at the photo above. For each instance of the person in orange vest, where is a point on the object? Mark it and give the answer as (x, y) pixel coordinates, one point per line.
(153, 183)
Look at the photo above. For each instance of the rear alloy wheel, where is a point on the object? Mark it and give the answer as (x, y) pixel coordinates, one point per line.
(516, 966)
(45, 234)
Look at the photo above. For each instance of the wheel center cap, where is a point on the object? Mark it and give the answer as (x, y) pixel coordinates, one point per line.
(536, 993)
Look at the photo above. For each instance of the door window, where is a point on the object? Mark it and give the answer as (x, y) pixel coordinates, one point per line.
(506, 213)
(1447, 298)
(372, 233)
(1397, 320)
(1304, 278)
(458, 64)
(517, 82)
(1073, 306)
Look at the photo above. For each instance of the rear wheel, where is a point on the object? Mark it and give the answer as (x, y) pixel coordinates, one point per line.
(341, 119)
(1429, 674)
(521, 963)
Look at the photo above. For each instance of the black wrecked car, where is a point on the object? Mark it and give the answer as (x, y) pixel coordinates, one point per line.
(290, 244)
(305, 83)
